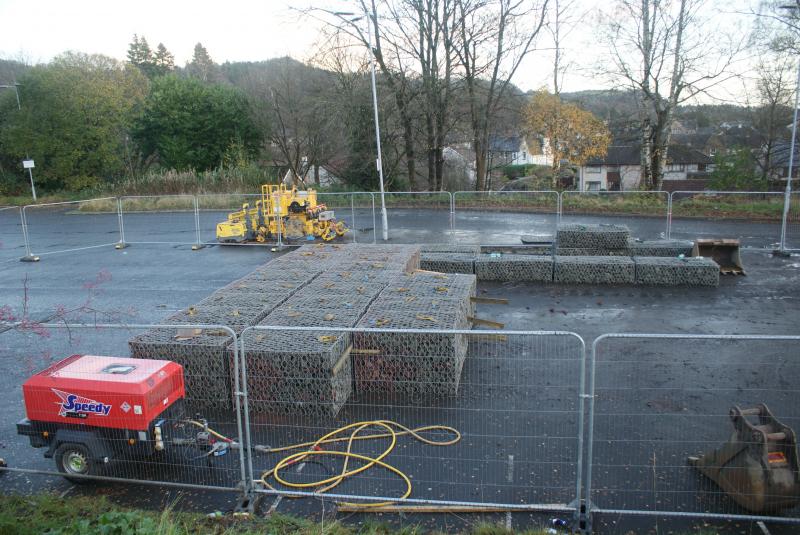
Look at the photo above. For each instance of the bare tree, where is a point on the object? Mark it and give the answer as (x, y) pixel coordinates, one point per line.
(494, 37)
(774, 89)
(661, 49)
(302, 127)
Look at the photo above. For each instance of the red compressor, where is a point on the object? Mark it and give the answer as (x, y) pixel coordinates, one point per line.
(87, 410)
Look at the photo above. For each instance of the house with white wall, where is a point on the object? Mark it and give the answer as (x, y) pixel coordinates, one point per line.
(620, 169)
(519, 150)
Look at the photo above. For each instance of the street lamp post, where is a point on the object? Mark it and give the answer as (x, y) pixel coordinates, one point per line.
(28, 163)
(787, 199)
(379, 160)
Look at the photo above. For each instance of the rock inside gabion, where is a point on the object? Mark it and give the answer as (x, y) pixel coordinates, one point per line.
(672, 248)
(602, 236)
(415, 364)
(447, 248)
(514, 267)
(692, 271)
(566, 251)
(448, 262)
(298, 373)
(594, 270)
(203, 355)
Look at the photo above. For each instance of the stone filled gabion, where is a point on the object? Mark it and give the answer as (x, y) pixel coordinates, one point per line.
(514, 268)
(447, 248)
(594, 270)
(448, 262)
(298, 373)
(414, 364)
(289, 316)
(303, 372)
(573, 236)
(672, 248)
(693, 271)
(203, 355)
(566, 251)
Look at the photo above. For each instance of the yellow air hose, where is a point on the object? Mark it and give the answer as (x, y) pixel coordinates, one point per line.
(313, 448)
(393, 430)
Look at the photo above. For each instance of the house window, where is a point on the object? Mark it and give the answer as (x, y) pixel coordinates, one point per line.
(593, 186)
(592, 169)
(676, 167)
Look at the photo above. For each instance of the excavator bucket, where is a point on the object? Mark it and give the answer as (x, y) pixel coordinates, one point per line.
(724, 252)
(757, 467)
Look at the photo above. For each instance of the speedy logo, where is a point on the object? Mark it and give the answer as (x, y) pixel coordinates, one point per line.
(74, 405)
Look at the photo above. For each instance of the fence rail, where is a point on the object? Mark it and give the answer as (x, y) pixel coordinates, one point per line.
(500, 416)
(485, 218)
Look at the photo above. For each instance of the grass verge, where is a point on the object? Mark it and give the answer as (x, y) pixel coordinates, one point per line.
(84, 515)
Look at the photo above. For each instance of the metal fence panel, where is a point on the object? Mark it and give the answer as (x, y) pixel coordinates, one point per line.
(514, 397)
(792, 232)
(159, 219)
(503, 217)
(72, 226)
(645, 213)
(752, 217)
(416, 217)
(214, 208)
(357, 210)
(660, 399)
(12, 241)
(30, 348)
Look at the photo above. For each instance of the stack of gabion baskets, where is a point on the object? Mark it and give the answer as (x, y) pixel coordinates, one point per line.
(418, 364)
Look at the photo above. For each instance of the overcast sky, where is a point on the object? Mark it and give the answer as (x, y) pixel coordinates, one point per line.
(233, 30)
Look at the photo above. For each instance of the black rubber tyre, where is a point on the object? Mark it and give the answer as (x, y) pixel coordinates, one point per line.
(75, 459)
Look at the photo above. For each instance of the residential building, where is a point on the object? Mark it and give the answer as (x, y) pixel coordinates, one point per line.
(620, 169)
(519, 150)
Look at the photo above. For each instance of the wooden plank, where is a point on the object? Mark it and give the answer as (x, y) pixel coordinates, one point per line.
(366, 351)
(486, 323)
(412, 509)
(489, 300)
(494, 337)
(342, 360)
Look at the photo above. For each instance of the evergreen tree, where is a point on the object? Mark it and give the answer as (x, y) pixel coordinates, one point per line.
(140, 55)
(202, 66)
(192, 125)
(163, 60)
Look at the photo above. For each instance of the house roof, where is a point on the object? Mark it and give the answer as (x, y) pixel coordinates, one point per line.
(629, 155)
(781, 152)
(504, 143)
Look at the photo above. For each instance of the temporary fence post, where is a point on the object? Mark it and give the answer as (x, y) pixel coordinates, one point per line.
(247, 437)
(198, 242)
(374, 222)
(452, 217)
(353, 230)
(29, 256)
(669, 214)
(121, 244)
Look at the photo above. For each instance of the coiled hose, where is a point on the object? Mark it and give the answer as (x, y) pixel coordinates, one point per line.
(392, 431)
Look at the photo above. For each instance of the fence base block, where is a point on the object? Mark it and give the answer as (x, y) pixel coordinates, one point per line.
(198, 246)
(121, 245)
(29, 258)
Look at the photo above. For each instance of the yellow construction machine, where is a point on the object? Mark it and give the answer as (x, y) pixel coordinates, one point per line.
(290, 213)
